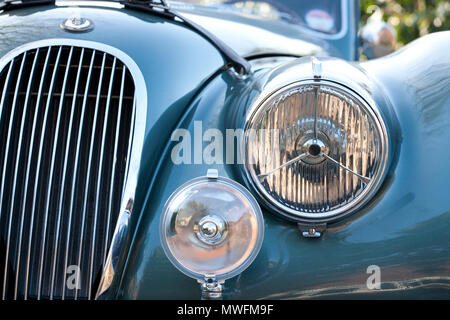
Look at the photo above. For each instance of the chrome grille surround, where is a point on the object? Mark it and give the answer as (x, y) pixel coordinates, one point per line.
(63, 201)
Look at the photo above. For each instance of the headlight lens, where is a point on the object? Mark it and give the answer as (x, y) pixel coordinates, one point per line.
(211, 227)
(315, 150)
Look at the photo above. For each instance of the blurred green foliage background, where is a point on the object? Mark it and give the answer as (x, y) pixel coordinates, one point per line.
(410, 18)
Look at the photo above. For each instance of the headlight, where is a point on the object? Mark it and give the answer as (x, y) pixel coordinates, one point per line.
(211, 229)
(315, 150)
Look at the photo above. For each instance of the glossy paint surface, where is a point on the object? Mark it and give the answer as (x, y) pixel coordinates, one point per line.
(174, 60)
(259, 36)
(404, 229)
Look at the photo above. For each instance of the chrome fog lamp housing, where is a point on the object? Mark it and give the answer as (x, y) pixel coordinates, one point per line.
(211, 229)
(315, 145)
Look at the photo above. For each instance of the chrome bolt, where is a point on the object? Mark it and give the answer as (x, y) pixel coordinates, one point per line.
(78, 21)
(211, 229)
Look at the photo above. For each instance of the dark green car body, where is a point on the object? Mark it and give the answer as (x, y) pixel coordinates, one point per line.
(404, 229)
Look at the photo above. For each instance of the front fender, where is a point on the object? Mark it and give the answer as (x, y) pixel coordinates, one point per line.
(404, 229)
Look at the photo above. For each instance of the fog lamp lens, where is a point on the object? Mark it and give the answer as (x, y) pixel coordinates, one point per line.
(211, 227)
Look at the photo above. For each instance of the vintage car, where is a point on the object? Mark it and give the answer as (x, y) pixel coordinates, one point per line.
(220, 149)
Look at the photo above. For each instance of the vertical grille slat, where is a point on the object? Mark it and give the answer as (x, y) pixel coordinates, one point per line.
(99, 175)
(52, 164)
(5, 165)
(66, 159)
(66, 122)
(89, 164)
(41, 145)
(4, 158)
(130, 142)
(74, 179)
(26, 110)
(113, 170)
(33, 130)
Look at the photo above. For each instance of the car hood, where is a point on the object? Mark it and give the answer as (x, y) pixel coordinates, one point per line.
(175, 61)
(251, 36)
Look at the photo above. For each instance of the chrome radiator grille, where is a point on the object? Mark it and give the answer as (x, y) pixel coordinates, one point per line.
(66, 128)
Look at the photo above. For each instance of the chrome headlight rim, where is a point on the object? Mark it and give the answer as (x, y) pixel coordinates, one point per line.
(358, 92)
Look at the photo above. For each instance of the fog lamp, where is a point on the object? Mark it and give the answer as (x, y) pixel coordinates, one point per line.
(211, 229)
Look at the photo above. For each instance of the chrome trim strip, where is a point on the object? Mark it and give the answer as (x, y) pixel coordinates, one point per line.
(74, 178)
(33, 130)
(66, 158)
(41, 140)
(2, 101)
(88, 174)
(120, 231)
(139, 118)
(5, 157)
(113, 169)
(24, 113)
(137, 134)
(55, 146)
(354, 291)
(100, 169)
(5, 165)
(1, 114)
(130, 141)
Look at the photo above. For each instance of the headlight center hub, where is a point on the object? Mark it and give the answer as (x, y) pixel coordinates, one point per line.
(314, 146)
(211, 229)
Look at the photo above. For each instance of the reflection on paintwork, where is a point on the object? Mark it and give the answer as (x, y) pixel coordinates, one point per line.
(406, 224)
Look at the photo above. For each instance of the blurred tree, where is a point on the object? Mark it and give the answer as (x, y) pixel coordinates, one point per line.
(410, 18)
